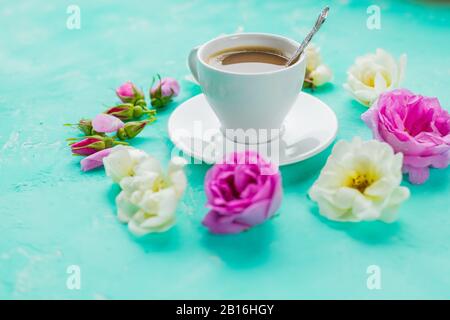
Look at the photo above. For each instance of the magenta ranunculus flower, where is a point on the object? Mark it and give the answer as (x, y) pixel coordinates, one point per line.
(95, 160)
(129, 93)
(163, 91)
(106, 123)
(242, 192)
(415, 125)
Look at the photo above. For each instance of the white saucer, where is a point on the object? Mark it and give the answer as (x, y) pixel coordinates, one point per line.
(309, 128)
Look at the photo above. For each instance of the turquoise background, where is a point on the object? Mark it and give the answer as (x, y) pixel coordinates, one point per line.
(53, 215)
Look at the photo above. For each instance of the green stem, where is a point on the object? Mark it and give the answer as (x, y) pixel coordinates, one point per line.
(120, 142)
(149, 111)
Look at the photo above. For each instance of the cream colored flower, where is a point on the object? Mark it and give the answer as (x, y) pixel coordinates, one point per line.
(149, 198)
(121, 162)
(313, 57)
(321, 75)
(360, 182)
(374, 74)
(317, 73)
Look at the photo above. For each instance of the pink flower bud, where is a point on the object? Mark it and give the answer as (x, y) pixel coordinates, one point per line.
(123, 111)
(132, 129)
(127, 111)
(129, 93)
(84, 125)
(106, 123)
(163, 91)
(95, 160)
(92, 144)
(168, 87)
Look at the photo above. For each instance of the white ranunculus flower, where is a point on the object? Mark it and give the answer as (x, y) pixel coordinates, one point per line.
(360, 182)
(121, 162)
(374, 74)
(149, 198)
(317, 73)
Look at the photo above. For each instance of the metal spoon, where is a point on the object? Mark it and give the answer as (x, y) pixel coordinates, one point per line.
(320, 20)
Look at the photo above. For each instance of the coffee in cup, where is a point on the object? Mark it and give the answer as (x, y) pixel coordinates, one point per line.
(246, 83)
(248, 59)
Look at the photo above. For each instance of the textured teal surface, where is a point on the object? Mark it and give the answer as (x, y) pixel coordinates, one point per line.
(53, 216)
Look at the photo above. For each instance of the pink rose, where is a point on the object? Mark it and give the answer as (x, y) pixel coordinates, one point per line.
(95, 160)
(129, 93)
(242, 192)
(106, 123)
(415, 125)
(163, 91)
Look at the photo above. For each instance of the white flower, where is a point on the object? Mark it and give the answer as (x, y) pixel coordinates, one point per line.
(122, 161)
(149, 198)
(321, 75)
(374, 74)
(313, 57)
(360, 181)
(317, 73)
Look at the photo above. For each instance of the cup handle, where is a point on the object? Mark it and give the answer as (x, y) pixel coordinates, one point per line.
(192, 63)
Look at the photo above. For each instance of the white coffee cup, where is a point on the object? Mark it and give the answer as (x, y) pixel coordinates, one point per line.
(249, 102)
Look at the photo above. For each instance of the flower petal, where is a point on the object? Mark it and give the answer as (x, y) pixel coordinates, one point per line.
(125, 209)
(417, 175)
(220, 224)
(106, 123)
(95, 160)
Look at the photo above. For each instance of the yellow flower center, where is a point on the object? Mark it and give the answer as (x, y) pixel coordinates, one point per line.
(148, 215)
(361, 181)
(159, 184)
(369, 78)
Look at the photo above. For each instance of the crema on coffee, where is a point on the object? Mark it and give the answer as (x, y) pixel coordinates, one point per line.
(248, 59)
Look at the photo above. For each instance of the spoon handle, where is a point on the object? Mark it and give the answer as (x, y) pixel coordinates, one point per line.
(320, 20)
